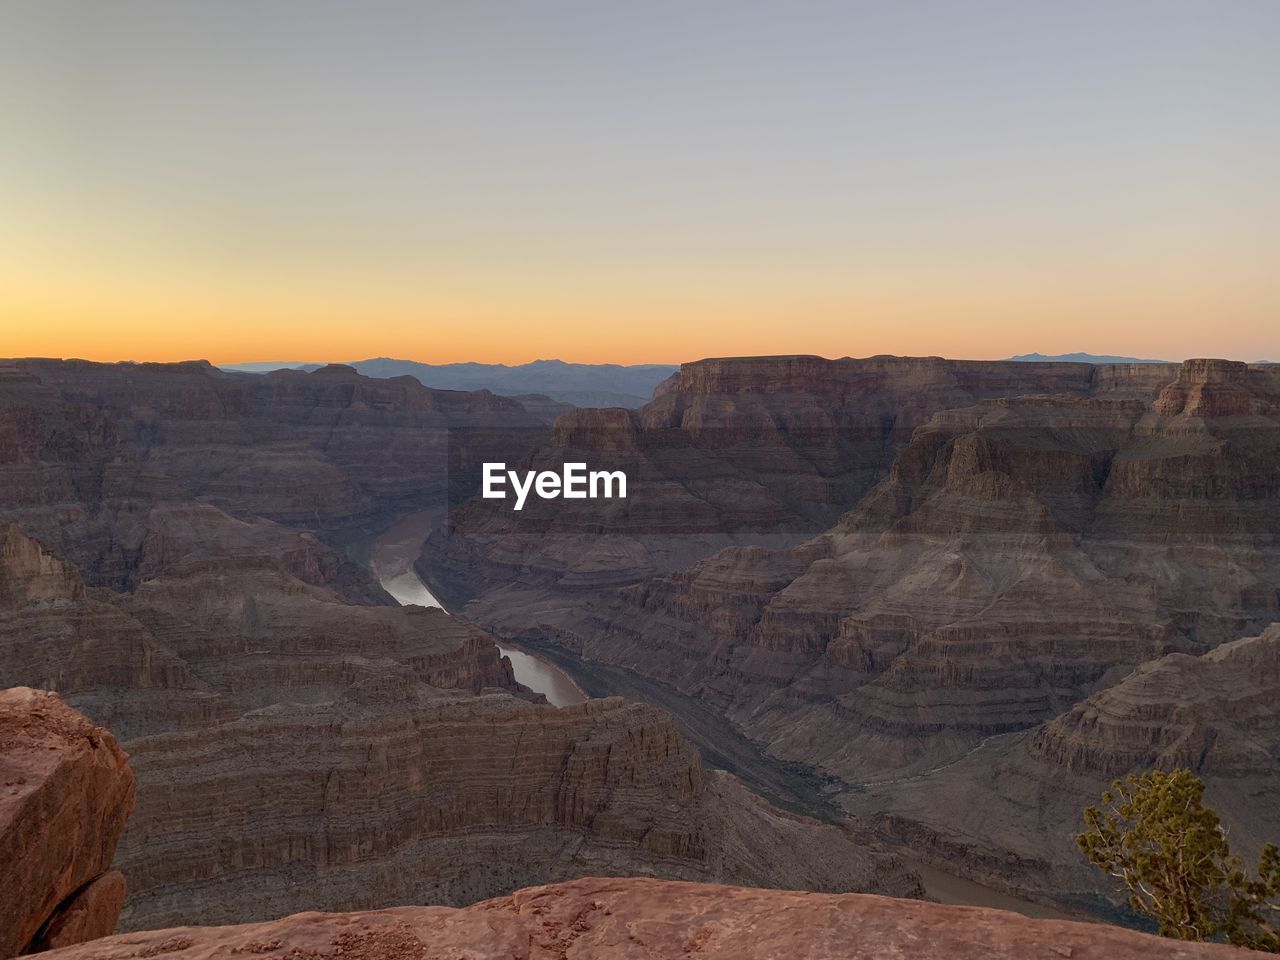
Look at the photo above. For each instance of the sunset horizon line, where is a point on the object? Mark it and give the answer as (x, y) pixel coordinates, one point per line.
(224, 364)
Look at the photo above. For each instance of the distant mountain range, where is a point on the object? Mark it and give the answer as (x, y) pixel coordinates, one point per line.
(579, 384)
(1091, 358)
(1079, 358)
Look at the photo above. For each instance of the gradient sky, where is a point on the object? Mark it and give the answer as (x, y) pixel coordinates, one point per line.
(640, 181)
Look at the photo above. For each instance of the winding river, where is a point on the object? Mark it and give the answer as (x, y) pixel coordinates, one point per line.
(392, 560)
(394, 554)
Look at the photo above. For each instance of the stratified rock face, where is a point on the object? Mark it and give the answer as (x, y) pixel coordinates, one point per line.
(1215, 714)
(1017, 553)
(606, 919)
(65, 793)
(755, 450)
(300, 742)
(1012, 808)
(85, 446)
(30, 574)
(1012, 544)
(430, 800)
(232, 616)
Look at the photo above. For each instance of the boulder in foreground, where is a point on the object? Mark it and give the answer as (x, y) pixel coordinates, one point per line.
(65, 793)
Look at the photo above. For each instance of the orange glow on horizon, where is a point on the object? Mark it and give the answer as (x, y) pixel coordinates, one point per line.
(436, 183)
(943, 320)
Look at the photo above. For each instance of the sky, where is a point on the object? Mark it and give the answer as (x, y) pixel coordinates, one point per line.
(654, 181)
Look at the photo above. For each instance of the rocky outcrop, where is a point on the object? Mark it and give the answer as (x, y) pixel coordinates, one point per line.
(1214, 713)
(1012, 807)
(65, 793)
(91, 912)
(30, 574)
(594, 919)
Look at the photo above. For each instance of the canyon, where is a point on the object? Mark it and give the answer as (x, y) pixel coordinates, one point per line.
(914, 575)
(68, 791)
(862, 615)
(182, 561)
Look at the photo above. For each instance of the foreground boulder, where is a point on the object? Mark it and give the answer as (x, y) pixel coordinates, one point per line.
(642, 919)
(65, 793)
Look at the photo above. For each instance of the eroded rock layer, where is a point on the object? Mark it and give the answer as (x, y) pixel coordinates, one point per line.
(167, 563)
(1010, 543)
(87, 448)
(418, 799)
(1012, 807)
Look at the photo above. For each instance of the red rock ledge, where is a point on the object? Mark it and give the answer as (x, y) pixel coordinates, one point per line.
(641, 919)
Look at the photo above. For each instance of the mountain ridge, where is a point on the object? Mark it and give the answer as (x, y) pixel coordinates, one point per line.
(578, 384)
(1079, 358)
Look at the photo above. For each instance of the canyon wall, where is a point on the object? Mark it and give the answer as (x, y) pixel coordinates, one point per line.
(412, 797)
(67, 791)
(86, 448)
(999, 543)
(170, 563)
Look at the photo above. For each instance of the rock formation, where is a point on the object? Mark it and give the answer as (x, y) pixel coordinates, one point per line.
(970, 593)
(749, 450)
(84, 446)
(1011, 808)
(65, 793)
(1213, 713)
(169, 562)
(638, 919)
(420, 798)
(1000, 543)
(294, 750)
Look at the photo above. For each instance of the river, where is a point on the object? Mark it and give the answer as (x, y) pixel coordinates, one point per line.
(394, 554)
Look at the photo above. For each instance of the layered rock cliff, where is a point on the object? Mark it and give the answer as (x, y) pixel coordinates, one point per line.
(299, 741)
(1018, 543)
(767, 450)
(1012, 807)
(595, 919)
(1214, 713)
(405, 797)
(296, 751)
(85, 446)
(67, 791)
